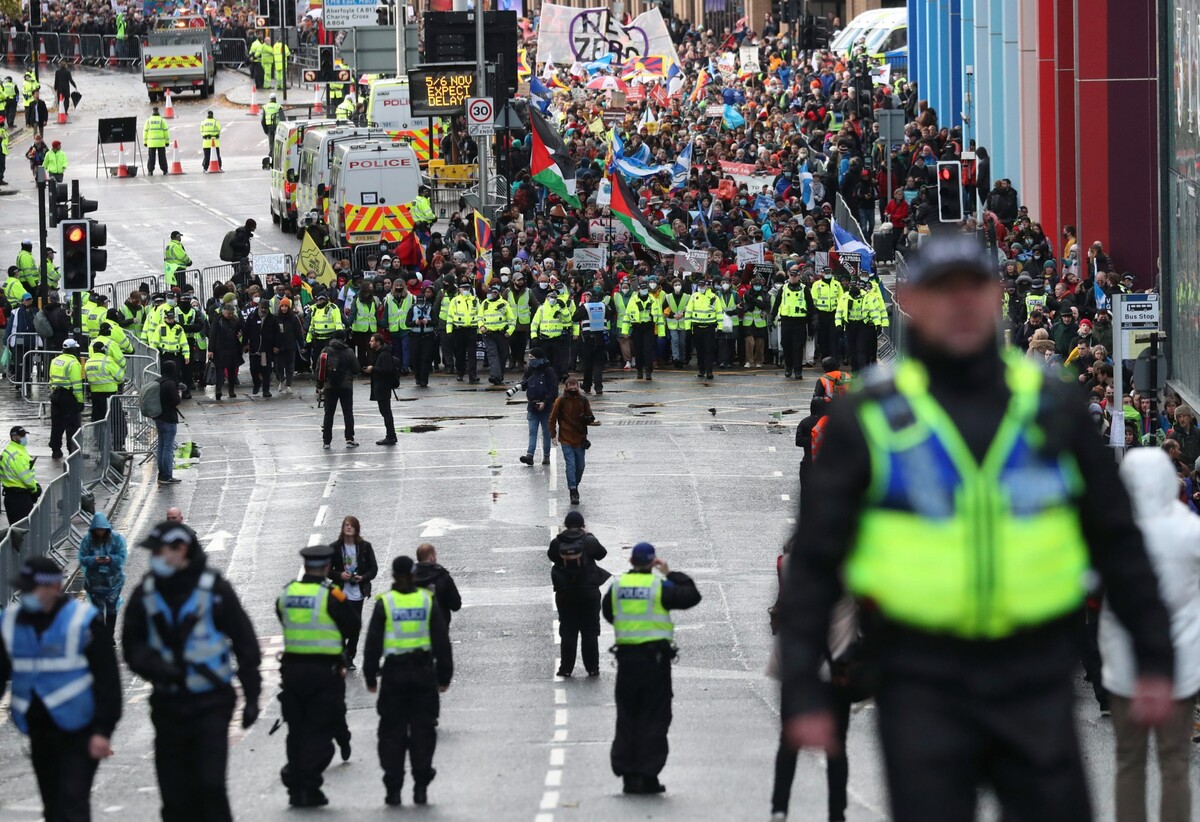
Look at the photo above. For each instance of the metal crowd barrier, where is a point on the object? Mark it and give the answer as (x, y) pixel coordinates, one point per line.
(231, 52)
(121, 289)
(125, 53)
(15, 46)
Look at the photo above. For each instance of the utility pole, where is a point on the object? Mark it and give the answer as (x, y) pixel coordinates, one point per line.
(481, 89)
(401, 19)
(42, 233)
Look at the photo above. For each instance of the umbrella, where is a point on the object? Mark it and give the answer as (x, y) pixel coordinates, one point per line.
(607, 83)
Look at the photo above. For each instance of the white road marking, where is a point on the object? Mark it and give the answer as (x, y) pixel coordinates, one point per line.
(554, 779)
(329, 483)
(560, 735)
(216, 542)
(560, 716)
(557, 637)
(320, 520)
(553, 506)
(439, 527)
(557, 757)
(549, 800)
(771, 448)
(314, 539)
(553, 474)
(544, 817)
(785, 497)
(560, 696)
(778, 473)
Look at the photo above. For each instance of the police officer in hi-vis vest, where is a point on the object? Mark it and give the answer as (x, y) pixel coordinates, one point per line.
(184, 627)
(638, 604)
(966, 502)
(66, 688)
(409, 633)
(313, 697)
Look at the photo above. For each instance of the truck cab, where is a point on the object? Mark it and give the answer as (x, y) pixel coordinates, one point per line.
(177, 56)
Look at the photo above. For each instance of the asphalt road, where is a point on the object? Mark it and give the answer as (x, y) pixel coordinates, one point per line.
(704, 471)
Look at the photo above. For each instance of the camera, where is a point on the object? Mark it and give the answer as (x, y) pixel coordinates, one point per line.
(510, 393)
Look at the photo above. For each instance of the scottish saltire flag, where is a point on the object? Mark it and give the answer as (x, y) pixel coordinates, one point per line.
(1101, 297)
(844, 242)
(783, 188)
(539, 88)
(763, 204)
(681, 168)
(806, 190)
(674, 80)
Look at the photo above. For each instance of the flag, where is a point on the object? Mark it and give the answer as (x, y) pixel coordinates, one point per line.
(681, 168)
(763, 204)
(624, 208)
(549, 163)
(783, 188)
(674, 80)
(1101, 297)
(483, 249)
(702, 81)
(537, 87)
(557, 83)
(410, 251)
(806, 190)
(523, 71)
(313, 262)
(732, 118)
(648, 119)
(843, 241)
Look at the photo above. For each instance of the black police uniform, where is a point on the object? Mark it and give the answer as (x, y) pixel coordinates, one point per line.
(408, 700)
(313, 697)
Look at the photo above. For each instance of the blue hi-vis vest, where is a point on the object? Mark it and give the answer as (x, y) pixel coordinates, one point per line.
(52, 667)
(206, 650)
(596, 312)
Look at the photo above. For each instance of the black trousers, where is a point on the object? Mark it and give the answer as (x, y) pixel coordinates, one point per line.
(837, 768)
(333, 398)
(859, 337)
(643, 711)
(100, 404)
(260, 372)
(384, 401)
(208, 154)
(285, 365)
(579, 617)
(184, 369)
(497, 351)
(594, 358)
(642, 341)
(517, 344)
(408, 715)
(464, 351)
(66, 415)
(727, 349)
(422, 349)
(313, 702)
(558, 352)
(191, 755)
(156, 154)
(1087, 633)
(826, 339)
(940, 742)
(353, 609)
(64, 771)
(793, 334)
(18, 502)
(704, 337)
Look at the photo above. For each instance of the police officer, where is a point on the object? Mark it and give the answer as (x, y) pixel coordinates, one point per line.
(976, 569)
(270, 120)
(346, 109)
(422, 327)
(638, 604)
(256, 66)
(825, 294)
(184, 626)
(323, 322)
(497, 322)
(594, 317)
(27, 271)
(551, 330)
(461, 322)
(66, 688)
(409, 633)
(17, 477)
(174, 346)
(791, 307)
(66, 397)
(280, 61)
(701, 316)
(103, 376)
(155, 137)
(422, 210)
(175, 260)
(8, 88)
(3, 149)
(643, 324)
(313, 695)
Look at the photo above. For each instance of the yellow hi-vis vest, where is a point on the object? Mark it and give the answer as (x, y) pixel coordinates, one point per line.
(638, 613)
(951, 546)
(406, 621)
(307, 626)
(794, 302)
(66, 371)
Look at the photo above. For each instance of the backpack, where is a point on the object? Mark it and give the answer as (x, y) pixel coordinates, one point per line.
(150, 400)
(41, 324)
(227, 247)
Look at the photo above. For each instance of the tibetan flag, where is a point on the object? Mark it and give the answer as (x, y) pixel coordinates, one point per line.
(557, 83)
(624, 208)
(523, 72)
(483, 249)
(549, 163)
(653, 65)
(702, 81)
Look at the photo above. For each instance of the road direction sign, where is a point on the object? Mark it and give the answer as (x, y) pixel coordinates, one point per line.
(480, 116)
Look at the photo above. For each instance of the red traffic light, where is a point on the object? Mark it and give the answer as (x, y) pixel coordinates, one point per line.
(75, 234)
(946, 173)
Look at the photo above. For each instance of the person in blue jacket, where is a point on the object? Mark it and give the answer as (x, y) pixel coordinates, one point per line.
(102, 558)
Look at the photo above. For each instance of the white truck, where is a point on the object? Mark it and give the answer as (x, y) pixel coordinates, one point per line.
(177, 55)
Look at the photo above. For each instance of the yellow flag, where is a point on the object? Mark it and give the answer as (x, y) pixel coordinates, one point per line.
(313, 262)
(596, 126)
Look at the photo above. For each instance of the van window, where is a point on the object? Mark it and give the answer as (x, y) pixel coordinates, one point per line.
(898, 39)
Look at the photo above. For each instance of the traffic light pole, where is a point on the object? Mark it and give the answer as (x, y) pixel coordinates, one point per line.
(77, 296)
(42, 232)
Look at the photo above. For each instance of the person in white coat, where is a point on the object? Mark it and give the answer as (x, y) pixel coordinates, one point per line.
(1172, 535)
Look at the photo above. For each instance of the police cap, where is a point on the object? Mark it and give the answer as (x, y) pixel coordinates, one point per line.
(943, 257)
(402, 566)
(316, 556)
(168, 533)
(37, 571)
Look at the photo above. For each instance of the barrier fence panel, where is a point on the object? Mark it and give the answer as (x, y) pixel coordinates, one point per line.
(49, 46)
(231, 52)
(121, 289)
(15, 46)
(10, 566)
(124, 53)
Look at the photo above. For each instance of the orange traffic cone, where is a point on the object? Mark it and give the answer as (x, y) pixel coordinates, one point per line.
(112, 53)
(319, 103)
(176, 166)
(122, 167)
(253, 101)
(169, 109)
(214, 165)
(42, 54)
(62, 112)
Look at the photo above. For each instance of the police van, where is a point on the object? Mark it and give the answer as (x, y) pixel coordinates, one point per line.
(878, 31)
(389, 108)
(371, 186)
(316, 158)
(285, 165)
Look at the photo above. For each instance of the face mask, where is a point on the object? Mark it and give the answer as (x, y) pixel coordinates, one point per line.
(160, 567)
(543, 286)
(173, 302)
(624, 289)
(597, 294)
(741, 202)
(724, 286)
(854, 292)
(256, 300)
(645, 292)
(31, 604)
(572, 390)
(312, 280)
(758, 288)
(24, 440)
(678, 289)
(826, 277)
(493, 297)
(464, 291)
(504, 278)
(654, 286)
(538, 362)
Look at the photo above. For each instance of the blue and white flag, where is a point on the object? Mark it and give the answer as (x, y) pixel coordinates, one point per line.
(681, 168)
(844, 242)
(732, 118)
(806, 190)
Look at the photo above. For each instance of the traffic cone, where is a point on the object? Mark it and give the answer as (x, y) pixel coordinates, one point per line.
(176, 166)
(169, 109)
(214, 165)
(112, 53)
(122, 167)
(319, 103)
(42, 54)
(62, 112)
(253, 101)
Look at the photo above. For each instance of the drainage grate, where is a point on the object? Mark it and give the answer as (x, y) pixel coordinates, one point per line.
(634, 422)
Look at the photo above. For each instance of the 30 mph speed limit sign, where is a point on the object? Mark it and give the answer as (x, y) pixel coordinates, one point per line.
(481, 116)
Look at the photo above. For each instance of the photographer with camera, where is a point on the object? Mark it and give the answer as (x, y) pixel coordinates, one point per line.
(102, 557)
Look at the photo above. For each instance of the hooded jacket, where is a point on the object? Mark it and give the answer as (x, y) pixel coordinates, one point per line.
(1172, 535)
(583, 574)
(103, 580)
(342, 366)
(433, 576)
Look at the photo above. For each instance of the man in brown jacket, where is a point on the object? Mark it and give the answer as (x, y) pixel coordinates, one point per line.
(569, 421)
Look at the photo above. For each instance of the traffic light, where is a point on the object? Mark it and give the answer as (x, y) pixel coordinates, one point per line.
(949, 191)
(59, 206)
(325, 67)
(264, 8)
(76, 254)
(97, 253)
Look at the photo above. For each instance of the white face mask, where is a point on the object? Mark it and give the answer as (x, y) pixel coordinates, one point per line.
(724, 286)
(678, 289)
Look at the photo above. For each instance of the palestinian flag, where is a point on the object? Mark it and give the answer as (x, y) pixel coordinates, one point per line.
(549, 163)
(624, 208)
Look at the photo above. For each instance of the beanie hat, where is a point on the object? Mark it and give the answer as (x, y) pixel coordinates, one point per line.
(229, 297)
(285, 303)
(574, 520)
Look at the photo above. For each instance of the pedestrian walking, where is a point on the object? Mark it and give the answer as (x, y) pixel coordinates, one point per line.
(312, 696)
(184, 627)
(1172, 535)
(66, 397)
(353, 567)
(66, 687)
(225, 346)
(64, 83)
(409, 635)
(17, 477)
(540, 384)
(156, 136)
(102, 557)
(288, 344)
(639, 605)
(423, 343)
(341, 367)
(577, 578)
(569, 421)
(261, 331)
(429, 574)
(210, 141)
(385, 378)
(977, 667)
(3, 149)
(36, 116)
(497, 322)
(166, 423)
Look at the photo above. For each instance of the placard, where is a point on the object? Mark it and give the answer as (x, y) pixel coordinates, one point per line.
(852, 262)
(591, 259)
(117, 130)
(269, 263)
(694, 261)
(749, 254)
(748, 56)
(765, 270)
(608, 229)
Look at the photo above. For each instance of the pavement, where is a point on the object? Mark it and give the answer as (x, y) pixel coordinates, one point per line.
(704, 470)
